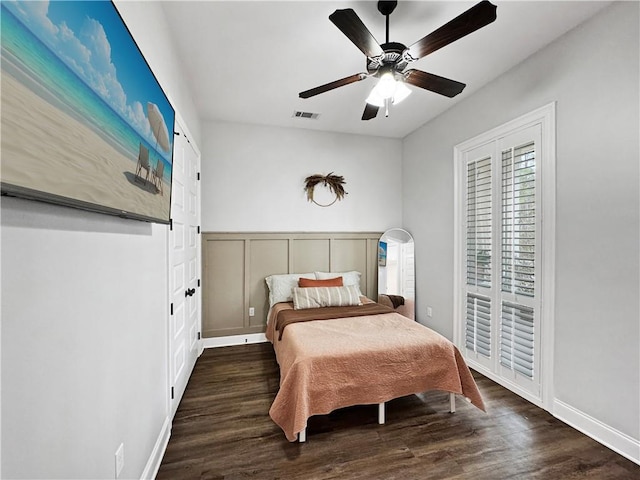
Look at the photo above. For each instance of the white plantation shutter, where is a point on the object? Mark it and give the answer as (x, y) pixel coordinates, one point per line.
(479, 203)
(518, 220)
(518, 232)
(478, 324)
(517, 338)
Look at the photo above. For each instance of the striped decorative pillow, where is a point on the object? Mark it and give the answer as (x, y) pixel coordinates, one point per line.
(348, 278)
(315, 297)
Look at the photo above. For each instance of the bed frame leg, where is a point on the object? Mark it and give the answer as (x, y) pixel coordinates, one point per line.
(381, 413)
(452, 402)
(302, 436)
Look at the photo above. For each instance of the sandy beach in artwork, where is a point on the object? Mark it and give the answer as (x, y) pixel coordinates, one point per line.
(46, 149)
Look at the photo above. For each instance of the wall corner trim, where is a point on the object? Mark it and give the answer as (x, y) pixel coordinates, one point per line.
(602, 433)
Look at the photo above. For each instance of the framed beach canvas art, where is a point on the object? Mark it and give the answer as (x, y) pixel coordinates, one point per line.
(84, 121)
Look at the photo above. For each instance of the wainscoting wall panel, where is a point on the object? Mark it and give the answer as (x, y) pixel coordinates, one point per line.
(236, 264)
(223, 282)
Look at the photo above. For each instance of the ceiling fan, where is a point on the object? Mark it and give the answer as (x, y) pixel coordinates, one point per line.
(389, 61)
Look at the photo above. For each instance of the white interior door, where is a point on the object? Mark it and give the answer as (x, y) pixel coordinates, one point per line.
(184, 265)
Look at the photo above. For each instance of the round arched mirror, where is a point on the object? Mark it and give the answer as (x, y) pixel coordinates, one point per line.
(396, 271)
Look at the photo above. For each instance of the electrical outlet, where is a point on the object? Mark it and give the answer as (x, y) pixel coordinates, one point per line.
(252, 311)
(119, 460)
(429, 312)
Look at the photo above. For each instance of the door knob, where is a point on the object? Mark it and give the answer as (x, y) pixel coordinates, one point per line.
(189, 292)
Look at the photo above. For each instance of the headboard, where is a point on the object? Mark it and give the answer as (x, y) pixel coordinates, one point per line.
(236, 264)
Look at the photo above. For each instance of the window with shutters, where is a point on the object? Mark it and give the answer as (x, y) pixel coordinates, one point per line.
(518, 331)
(478, 253)
(500, 276)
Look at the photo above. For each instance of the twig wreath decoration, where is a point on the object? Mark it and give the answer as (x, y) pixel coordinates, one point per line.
(333, 182)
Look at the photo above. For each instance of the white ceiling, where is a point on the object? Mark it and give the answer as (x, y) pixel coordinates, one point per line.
(247, 61)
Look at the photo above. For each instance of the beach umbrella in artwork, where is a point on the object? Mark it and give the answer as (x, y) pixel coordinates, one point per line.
(158, 126)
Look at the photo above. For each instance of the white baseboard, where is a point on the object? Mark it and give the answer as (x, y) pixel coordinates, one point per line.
(609, 437)
(233, 340)
(155, 459)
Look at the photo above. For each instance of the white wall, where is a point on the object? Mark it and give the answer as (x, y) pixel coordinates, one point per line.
(593, 74)
(83, 341)
(253, 179)
(84, 320)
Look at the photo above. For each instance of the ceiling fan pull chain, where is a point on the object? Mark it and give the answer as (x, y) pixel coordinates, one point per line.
(386, 107)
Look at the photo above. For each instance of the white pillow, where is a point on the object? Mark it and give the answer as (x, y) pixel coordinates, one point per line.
(280, 286)
(348, 278)
(315, 297)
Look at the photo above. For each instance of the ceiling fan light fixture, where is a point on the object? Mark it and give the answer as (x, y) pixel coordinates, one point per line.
(402, 92)
(375, 99)
(388, 88)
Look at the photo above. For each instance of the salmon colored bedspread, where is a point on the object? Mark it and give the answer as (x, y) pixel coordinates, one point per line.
(331, 364)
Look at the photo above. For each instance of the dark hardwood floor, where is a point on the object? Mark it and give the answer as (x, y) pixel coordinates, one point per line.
(222, 430)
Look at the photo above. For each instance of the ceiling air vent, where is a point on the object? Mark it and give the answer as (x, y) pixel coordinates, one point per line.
(312, 116)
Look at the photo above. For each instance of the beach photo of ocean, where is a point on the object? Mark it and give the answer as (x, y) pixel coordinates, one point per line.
(83, 117)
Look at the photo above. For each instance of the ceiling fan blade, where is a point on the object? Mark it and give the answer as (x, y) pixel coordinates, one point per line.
(350, 24)
(331, 85)
(468, 22)
(370, 111)
(434, 83)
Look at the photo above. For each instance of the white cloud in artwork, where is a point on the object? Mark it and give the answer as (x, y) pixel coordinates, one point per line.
(74, 53)
(103, 75)
(35, 15)
(136, 113)
(87, 53)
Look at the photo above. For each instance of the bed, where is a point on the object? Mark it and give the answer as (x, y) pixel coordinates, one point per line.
(357, 352)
